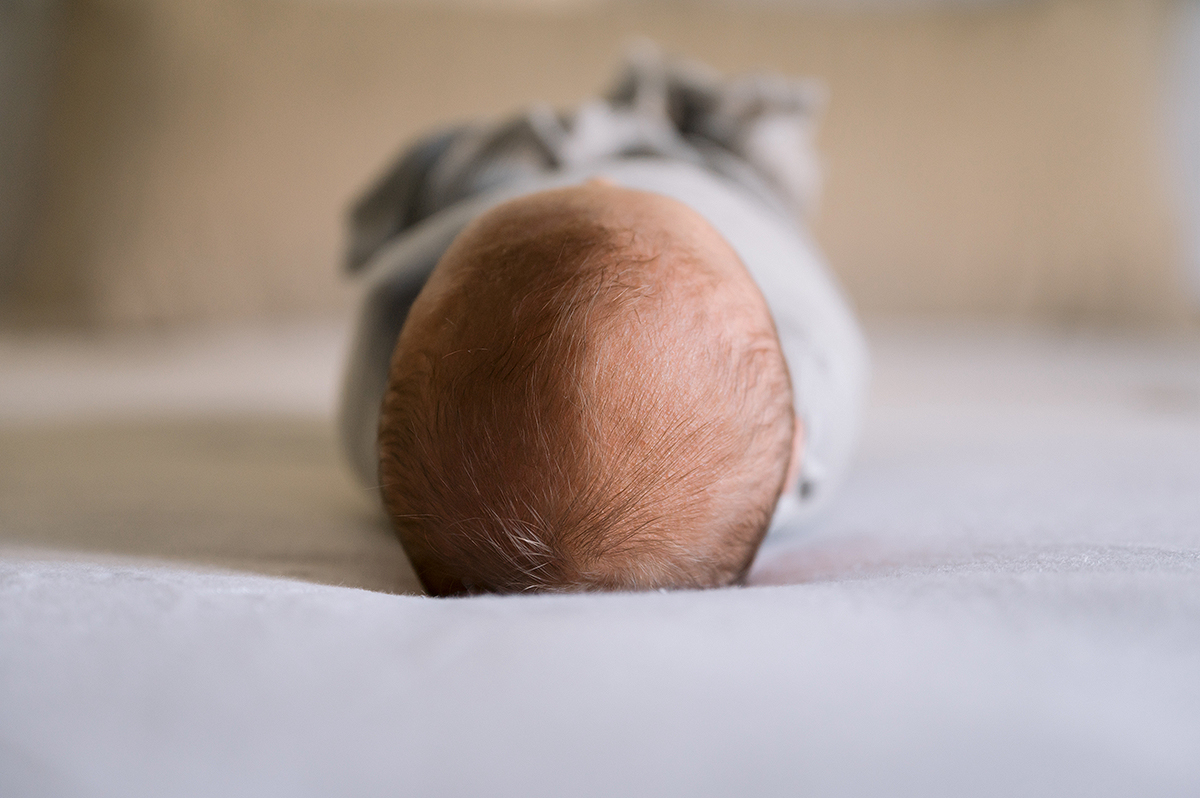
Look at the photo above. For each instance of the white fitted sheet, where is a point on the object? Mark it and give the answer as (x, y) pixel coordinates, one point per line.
(1003, 600)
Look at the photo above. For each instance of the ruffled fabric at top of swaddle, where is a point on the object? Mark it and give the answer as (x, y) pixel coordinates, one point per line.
(756, 131)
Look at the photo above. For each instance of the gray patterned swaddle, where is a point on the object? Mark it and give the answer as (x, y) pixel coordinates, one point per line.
(739, 152)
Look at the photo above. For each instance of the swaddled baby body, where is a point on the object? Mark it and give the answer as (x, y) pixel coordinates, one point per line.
(596, 352)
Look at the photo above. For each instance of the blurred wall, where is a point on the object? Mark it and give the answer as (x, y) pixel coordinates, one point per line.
(1001, 160)
(1183, 112)
(28, 42)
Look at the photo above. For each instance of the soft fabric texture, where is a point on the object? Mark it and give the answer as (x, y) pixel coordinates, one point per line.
(1003, 600)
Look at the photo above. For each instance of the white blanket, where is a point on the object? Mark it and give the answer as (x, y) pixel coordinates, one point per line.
(1004, 600)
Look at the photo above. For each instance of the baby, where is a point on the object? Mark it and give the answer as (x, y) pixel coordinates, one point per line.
(597, 353)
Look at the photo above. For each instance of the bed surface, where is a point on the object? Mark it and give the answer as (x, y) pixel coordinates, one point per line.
(1004, 598)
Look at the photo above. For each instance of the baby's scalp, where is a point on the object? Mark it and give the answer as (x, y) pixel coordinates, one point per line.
(588, 394)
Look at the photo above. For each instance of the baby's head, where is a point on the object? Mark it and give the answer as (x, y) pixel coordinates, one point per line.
(588, 394)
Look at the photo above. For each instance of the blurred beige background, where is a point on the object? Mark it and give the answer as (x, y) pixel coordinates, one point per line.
(983, 159)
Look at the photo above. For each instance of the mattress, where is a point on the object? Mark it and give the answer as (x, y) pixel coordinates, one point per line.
(1003, 598)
